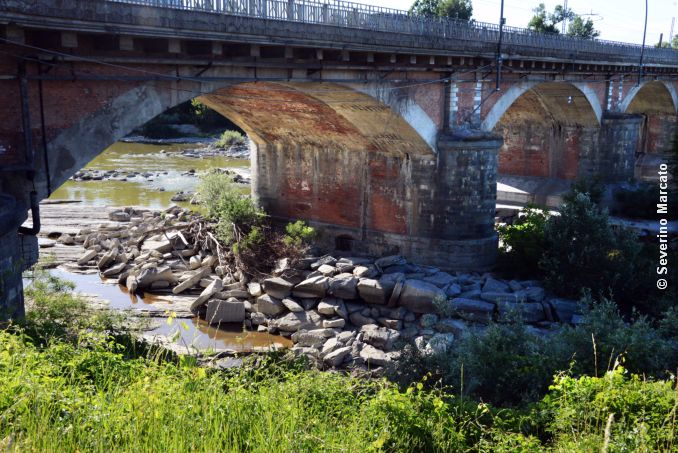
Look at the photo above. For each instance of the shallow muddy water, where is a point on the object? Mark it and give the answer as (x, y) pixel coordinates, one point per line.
(145, 192)
(192, 331)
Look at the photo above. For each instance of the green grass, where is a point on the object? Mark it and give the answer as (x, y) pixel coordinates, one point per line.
(78, 388)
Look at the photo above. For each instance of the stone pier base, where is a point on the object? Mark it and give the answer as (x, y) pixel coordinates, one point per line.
(11, 259)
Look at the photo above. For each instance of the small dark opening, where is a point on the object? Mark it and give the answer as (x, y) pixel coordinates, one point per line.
(343, 243)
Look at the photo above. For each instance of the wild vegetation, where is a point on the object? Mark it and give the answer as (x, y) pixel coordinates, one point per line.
(70, 386)
(244, 229)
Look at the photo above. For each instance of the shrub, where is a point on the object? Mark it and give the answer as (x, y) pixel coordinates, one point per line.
(230, 138)
(593, 187)
(236, 214)
(584, 251)
(298, 233)
(523, 243)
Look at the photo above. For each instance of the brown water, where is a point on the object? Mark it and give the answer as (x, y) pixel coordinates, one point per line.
(191, 331)
(141, 157)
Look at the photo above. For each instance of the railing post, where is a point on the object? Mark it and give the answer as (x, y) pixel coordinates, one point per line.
(290, 9)
(326, 13)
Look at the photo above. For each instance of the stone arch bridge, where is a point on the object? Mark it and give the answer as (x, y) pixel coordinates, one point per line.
(385, 130)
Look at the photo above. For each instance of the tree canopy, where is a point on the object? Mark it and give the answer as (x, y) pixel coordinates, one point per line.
(456, 9)
(546, 22)
(582, 28)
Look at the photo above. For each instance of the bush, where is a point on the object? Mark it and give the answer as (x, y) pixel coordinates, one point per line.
(236, 214)
(523, 243)
(584, 251)
(593, 187)
(230, 138)
(298, 233)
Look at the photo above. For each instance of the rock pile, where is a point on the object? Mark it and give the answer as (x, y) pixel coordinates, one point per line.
(343, 312)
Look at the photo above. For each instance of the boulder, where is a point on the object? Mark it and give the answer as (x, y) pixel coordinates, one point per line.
(254, 289)
(373, 356)
(269, 306)
(336, 357)
(418, 296)
(278, 287)
(496, 286)
(454, 326)
(312, 287)
(153, 274)
(162, 246)
(107, 259)
(114, 270)
(208, 292)
(381, 337)
(327, 270)
(344, 286)
(532, 294)
(292, 305)
(337, 323)
(192, 280)
(119, 216)
(194, 262)
(292, 322)
(225, 311)
(564, 309)
(530, 312)
(495, 297)
(309, 338)
(87, 257)
(387, 261)
(440, 343)
(473, 310)
(440, 279)
(358, 319)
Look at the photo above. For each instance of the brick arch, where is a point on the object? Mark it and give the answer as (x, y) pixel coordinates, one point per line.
(307, 115)
(550, 129)
(651, 97)
(553, 97)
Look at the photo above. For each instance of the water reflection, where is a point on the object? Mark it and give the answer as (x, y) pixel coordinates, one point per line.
(154, 192)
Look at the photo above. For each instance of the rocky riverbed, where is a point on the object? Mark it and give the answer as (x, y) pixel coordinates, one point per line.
(340, 311)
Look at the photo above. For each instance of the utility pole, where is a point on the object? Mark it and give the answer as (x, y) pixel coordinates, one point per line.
(642, 49)
(673, 22)
(499, 59)
(565, 11)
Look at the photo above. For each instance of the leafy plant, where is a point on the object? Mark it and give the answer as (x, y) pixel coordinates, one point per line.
(584, 251)
(230, 138)
(298, 233)
(522, 244)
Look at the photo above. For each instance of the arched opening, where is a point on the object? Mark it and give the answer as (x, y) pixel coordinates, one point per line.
(547, 131)
(656, 103)
(550, 133)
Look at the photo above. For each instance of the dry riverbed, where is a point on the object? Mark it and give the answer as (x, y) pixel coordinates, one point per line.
(342, 312)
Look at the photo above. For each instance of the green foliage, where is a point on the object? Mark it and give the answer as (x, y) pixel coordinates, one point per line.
(508, 364)
(618, 411)
(523, 243)
(55, 312)
(548, 22)
(227, 206)
(456, 9)
(298, 233)
(581, 28)
(230, 138)
(594, 188)
(584, 251)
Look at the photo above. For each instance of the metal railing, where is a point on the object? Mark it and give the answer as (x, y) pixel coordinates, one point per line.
(366, 17)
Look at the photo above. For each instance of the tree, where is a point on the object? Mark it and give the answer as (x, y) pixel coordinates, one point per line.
(547, 22)
(582, 29)
(427, 8)
(456, 9)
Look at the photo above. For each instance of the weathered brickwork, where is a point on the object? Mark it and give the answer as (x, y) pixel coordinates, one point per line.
(11, 260)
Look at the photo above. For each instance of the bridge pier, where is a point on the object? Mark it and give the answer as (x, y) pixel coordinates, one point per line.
(12, 262)
(434, 209)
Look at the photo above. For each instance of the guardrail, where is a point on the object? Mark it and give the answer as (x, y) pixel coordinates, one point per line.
(355, 15)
